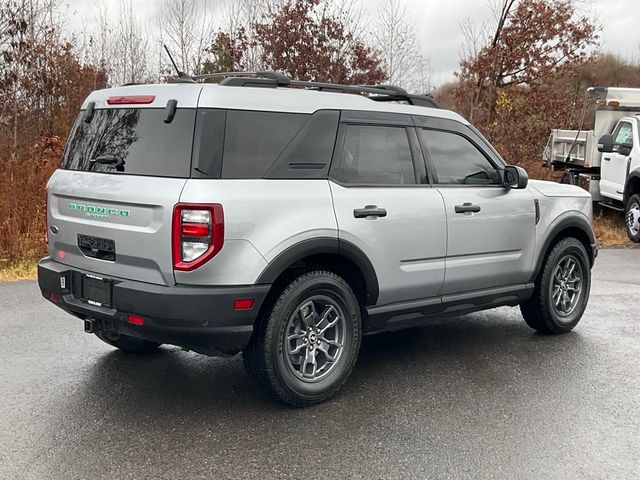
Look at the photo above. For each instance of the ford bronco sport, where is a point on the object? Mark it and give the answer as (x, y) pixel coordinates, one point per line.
(287, 219)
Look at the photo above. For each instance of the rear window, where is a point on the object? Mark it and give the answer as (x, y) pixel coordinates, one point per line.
(132, 141)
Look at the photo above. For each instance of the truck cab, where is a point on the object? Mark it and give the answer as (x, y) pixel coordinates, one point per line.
(606, 160)
(620, 159)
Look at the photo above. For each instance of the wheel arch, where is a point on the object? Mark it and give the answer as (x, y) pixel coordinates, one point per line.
(339, 256)
(632, 187)
(568, 226)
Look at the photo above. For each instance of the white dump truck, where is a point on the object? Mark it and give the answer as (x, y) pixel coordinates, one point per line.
(606, 160)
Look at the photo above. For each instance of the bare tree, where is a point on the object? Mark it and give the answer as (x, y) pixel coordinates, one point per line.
(24, 24)
(117, 44)
(394, 36)
(98, 40)
(186, 26)
(129, 57)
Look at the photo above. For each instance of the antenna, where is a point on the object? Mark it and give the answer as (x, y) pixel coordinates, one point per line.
(182, 77)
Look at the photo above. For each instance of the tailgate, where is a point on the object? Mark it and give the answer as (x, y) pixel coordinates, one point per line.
(95, 213)
(124, 167)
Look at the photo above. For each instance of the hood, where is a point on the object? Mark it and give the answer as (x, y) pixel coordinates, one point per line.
(553, 189)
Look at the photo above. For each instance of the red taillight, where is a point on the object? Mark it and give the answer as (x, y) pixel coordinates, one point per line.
(198, 234)
(54, 297)
(135, 319)
(195, 229)
(131, 100)
(243, 303)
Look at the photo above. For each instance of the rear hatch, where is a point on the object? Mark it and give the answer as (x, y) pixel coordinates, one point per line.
(126, 162)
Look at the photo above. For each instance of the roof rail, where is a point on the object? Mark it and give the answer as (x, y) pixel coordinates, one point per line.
(378, 93)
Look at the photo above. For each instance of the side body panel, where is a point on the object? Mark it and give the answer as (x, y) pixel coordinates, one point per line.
(491, 248)
(560, 206)
(262, 219)
(407, 247)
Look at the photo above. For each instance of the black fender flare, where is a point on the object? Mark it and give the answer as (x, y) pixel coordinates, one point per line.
(565, 222)
(320, 246)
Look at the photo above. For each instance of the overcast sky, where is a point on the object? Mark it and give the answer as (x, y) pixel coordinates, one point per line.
(438, 25)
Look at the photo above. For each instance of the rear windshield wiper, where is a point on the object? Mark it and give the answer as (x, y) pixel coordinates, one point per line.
(109, 160)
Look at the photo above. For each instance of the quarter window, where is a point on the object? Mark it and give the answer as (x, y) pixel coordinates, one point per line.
(458, 161)
(375, 155)
(253, 140)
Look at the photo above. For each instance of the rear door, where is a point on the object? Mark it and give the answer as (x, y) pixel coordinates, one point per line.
(124, 167)
(615, 165)
(490, 229)
(385, 207)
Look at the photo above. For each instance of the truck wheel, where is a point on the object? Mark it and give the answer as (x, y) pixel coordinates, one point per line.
(632, 218)
(129, 344)
(307, 343)
(561, 291)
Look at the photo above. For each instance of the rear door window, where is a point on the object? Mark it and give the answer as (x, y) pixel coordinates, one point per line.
(375, 155)
(138, 140)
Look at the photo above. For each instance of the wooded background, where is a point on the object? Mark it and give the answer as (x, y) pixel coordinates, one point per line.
(520, 75)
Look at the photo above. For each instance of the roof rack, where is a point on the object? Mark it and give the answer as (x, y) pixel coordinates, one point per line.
(378, 93)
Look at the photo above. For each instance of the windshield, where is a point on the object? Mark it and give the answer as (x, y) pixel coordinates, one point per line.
(132, 141)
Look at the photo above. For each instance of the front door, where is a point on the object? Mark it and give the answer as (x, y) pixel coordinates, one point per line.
(490, 229)
(383, 207)
(615, 164)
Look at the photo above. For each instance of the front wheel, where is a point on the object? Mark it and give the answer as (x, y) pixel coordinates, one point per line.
(632, 218)
(562, 290)
(306, 345)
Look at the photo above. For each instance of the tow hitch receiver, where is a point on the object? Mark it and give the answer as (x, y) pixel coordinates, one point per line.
(89, 326)
(108, 327)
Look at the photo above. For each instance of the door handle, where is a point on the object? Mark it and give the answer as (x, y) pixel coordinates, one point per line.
(467, 207)
(607, 159)
(369, 211)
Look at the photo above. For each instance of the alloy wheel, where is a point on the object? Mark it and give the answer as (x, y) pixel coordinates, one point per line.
(633, 219)
(314, 338)
(566, 287)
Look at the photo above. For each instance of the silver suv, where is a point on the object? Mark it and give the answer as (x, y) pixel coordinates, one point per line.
(287, 219)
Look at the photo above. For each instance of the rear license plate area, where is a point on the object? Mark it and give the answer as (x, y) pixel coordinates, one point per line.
(96, 290)
(96, 247)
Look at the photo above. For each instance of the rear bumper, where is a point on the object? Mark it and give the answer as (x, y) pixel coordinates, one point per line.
(202, 319)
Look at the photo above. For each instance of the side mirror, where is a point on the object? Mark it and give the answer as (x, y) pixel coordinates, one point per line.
(605, 144)
(624, 149)
(515, 177)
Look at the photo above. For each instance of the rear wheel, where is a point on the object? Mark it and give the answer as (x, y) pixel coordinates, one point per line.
(562, 289)
(632, 218)
(306, 345)
(128, 344)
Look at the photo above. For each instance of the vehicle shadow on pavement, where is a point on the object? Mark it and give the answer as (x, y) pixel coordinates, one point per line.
(183, 405)
(452, 355)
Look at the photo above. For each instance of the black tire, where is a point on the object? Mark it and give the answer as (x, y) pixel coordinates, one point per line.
(541, 311)
(128, 344)
(267, 358)
(630, 217)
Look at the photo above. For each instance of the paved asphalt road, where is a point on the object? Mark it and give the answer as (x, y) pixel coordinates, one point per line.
(479, 396)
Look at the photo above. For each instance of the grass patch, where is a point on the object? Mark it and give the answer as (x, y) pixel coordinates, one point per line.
(610, 228)
(21, 270)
